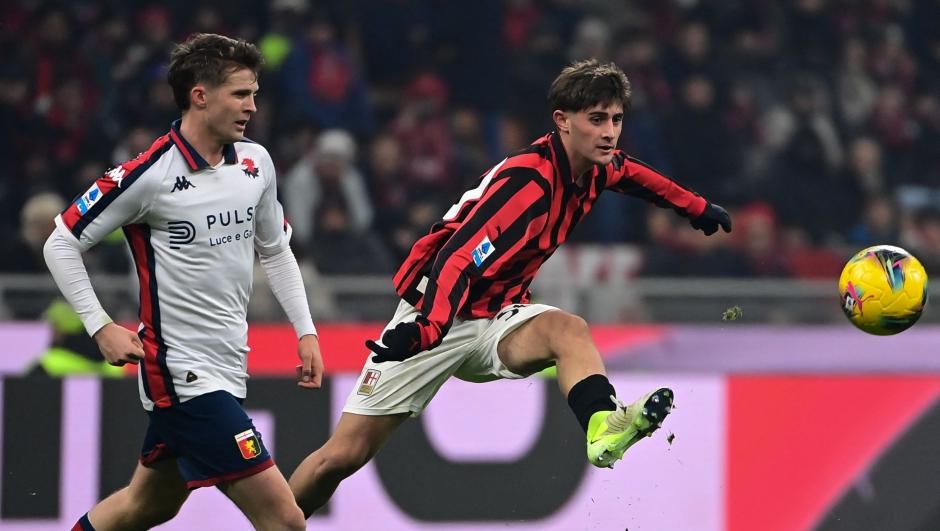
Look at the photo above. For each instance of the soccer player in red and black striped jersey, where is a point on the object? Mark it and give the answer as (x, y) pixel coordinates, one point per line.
(465, 307)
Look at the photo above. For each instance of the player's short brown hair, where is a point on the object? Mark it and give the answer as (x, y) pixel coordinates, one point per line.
(208, 58)
(584, 84)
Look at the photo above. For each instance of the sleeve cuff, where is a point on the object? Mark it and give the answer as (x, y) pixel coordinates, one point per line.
(305, 330)
(96, 321)
(698, 207)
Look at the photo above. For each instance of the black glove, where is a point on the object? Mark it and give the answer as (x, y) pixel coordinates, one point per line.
(711, 218)
(405, 340)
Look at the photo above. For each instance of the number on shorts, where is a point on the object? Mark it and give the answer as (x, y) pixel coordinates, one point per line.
(510, 311)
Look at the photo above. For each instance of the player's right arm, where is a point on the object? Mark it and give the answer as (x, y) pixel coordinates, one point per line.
(118, 198)
(118, 345)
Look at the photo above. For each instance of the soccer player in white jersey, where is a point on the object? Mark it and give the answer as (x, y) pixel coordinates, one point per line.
(195, 209)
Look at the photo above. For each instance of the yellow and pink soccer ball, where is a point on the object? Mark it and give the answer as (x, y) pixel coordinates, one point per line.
(883, 290)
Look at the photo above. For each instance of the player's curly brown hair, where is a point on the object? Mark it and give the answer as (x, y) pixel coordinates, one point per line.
(208, 58)
(586, 83)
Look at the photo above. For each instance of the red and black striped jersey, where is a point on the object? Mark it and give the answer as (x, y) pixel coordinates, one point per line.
(486, 250)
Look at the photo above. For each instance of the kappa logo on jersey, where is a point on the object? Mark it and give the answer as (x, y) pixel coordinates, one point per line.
(482, 251)
(369, 381)
(248, 444)
(88, 199)
(117, 175)
(182, 183)
(249, 168)
(181, 233)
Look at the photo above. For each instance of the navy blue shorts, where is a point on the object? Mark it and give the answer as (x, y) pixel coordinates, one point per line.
(210, 436)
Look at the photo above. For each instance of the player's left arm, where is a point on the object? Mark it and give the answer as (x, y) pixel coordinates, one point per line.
(631, 176)
(272, 243)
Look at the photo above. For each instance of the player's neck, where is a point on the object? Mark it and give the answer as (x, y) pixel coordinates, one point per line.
(579, 165)
(197, 134)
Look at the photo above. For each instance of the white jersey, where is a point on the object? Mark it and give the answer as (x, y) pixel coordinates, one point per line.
(193, 230)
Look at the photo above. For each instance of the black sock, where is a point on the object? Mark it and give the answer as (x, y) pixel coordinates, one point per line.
(83, 524)
(589, 396)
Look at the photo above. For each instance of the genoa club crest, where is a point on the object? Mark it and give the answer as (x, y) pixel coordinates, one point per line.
(248, 444)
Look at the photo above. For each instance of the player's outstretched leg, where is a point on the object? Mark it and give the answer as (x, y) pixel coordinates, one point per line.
(562, 339)
(356, 439)
(155, 494)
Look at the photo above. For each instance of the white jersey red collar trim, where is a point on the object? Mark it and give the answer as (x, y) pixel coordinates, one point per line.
(193, 159)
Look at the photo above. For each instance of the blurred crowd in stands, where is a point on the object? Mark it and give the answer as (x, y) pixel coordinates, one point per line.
(817, 123)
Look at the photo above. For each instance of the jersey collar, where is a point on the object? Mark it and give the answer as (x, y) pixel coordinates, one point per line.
(562, 165)
(193, 159)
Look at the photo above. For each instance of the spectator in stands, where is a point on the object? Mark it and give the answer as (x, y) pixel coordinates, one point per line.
(591, 39)
(135, 141)
(893, 124)
(327, 175)
(322, 82)
(384, 170)
(640, 55)
(470, 153)
(387, 26)
(23, 253)
(758, 238)
(855, 90)
(674, 251)
(339, 248)
(891, 62)
(811, 35)
(421, 214)
(809, 151)
(878, 223)
(924, 239)
(15, 128)
(693, 55)
(805, 260)
(425, 135)
(862, 179)
(142, 68)
(698, 140)
(923, 167)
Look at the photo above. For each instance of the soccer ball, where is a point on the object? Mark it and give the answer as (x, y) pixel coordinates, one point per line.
(883, 290)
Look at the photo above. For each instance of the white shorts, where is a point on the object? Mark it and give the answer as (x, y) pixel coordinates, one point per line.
(468, 351)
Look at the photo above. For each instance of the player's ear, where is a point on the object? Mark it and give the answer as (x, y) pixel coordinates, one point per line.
(561, 121)
(198, 96)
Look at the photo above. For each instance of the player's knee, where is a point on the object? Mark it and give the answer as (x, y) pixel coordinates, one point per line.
(290, 517)
(152, 512)
(564, 327)
(344, 459)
